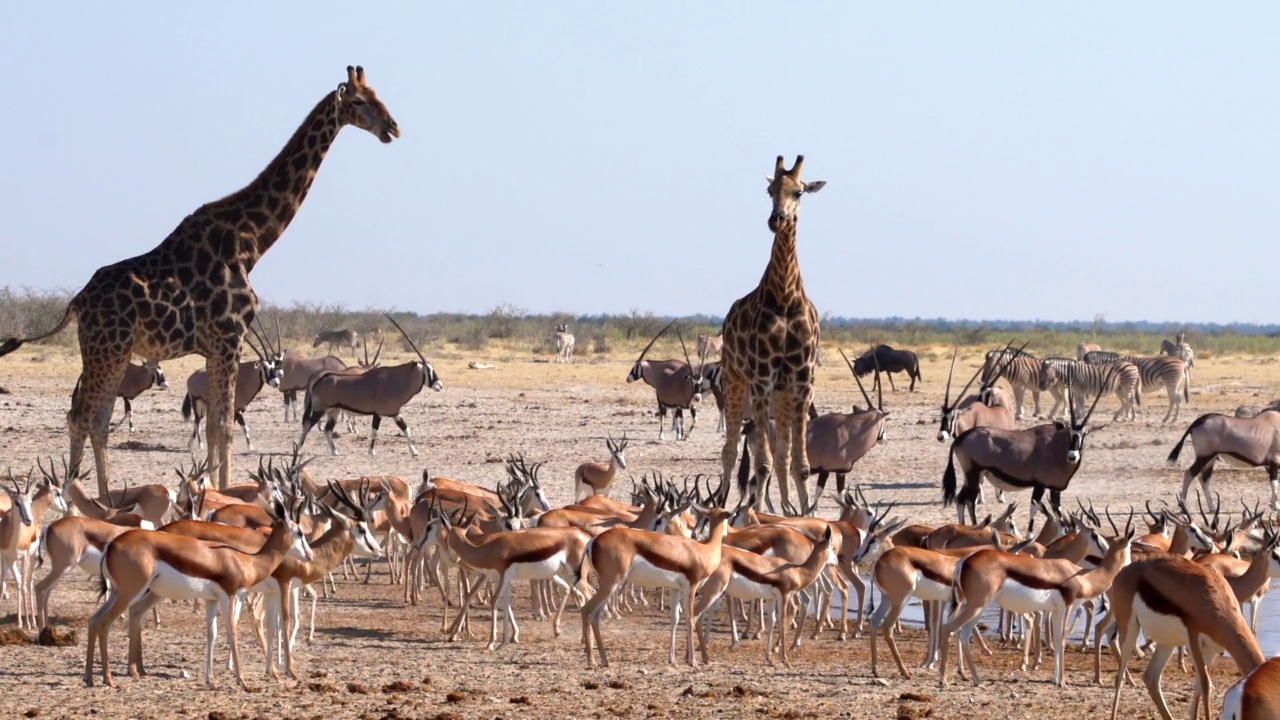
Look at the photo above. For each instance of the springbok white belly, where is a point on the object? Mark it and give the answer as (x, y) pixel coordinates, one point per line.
(1018, 598)
(932, 591)
(173, 585)
(647, 574)
(91, 560)
(745, 589)
(1164, 629)
(541, 570)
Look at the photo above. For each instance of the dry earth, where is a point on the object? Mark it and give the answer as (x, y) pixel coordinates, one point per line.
(373, 656)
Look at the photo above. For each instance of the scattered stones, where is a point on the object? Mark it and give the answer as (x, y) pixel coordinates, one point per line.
(916, 697)
(618, 685)
(590, 685)
(358, 689)
(457, 696)
(521, 700)
(321, 687)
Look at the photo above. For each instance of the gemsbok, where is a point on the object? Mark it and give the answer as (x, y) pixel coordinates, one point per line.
(1252, 442)
(137, 380)
(1040, 458)
(678, 386)
(250, 378)
(379, 391)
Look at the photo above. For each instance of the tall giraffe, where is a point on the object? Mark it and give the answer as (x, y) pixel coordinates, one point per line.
(771, 348)
(191, 293)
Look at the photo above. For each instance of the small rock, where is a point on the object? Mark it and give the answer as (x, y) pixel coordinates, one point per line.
(880, 681)
(184, 674)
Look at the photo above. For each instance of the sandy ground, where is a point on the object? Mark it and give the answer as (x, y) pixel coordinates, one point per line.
(373, 656)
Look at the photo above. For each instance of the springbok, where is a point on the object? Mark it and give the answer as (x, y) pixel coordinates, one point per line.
(1252, 442)
(595, 478)
(378, 391)
(1256, 696)
(677, 384)
(1176, 603)
(1040, 458)
(141, 567)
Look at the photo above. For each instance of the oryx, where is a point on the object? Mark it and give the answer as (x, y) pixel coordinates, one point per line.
(251, 376)
(137, 380)
(1044, 457)
(1252, 442)
(677, 384)
(377, 391)
(838, 440)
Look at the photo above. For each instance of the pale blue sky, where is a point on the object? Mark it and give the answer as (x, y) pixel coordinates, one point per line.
(985, 160)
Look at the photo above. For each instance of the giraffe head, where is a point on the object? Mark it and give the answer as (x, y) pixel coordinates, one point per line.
(785, 188)
(358, 105)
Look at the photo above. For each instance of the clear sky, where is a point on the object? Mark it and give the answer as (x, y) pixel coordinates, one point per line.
(984, 160)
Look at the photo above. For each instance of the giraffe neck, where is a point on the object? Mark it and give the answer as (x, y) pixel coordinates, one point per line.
(259, 213)
(782, 276)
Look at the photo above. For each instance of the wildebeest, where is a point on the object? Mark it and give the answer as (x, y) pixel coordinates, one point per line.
(890, 361)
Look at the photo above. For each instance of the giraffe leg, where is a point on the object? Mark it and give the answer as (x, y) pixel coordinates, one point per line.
(782, 445)
(93, 405)
(219, 425)
(762, 447)
(800, 399)
(734, 410)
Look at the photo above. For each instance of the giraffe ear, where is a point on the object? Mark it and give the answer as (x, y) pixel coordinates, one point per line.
(815, 186)
(342, 91)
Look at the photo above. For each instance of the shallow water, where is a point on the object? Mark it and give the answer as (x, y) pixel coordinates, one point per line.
(1268, 622)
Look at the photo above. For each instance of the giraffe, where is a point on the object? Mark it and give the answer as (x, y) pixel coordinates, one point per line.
(191, 293)
(770, 349)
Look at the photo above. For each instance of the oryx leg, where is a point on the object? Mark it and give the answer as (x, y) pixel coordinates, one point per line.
(128, 415)
(408, 436)
(1273, 474)
(373, 433)
(329, 424)
(239, 419)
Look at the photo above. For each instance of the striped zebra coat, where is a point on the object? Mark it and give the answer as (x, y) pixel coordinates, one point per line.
(1086, 380)
(1162, 371)
(1021, 369)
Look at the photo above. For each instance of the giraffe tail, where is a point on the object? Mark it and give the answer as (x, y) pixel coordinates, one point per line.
(13, 343)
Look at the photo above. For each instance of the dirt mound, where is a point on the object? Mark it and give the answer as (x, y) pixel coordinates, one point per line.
(54, 637)
(10, 635)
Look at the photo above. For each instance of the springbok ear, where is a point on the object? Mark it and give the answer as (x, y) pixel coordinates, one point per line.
(815, 186)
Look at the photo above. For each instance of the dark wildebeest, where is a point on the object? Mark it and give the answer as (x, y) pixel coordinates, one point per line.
(890, 361)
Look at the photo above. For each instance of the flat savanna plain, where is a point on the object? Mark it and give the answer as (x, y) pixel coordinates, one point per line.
(375, 656)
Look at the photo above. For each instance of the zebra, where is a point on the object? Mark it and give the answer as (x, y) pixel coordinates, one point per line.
(564, 344)
(1084, 379)
(1098, 357)
(1165, 371)
(1021, 369)
(1054, 386)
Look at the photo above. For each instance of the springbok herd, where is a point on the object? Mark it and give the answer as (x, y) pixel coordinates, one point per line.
(1171, 578)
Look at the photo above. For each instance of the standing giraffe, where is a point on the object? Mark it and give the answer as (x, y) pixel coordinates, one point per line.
(770, 348)
(191, 294)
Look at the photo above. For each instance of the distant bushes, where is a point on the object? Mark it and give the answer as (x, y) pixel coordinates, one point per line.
(27, 311)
